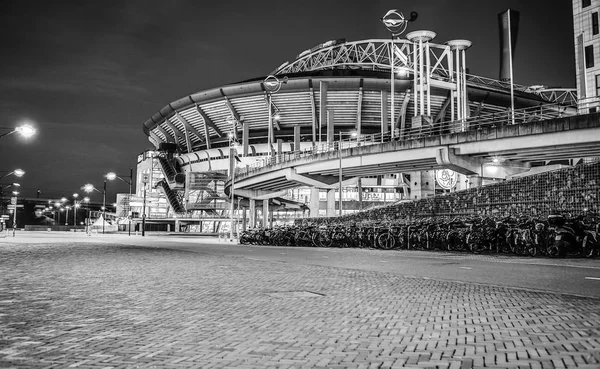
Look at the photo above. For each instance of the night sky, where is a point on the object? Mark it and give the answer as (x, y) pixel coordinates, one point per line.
(88, 74)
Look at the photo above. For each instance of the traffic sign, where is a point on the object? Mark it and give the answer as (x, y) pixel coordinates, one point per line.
(13, 200)
(145, 178)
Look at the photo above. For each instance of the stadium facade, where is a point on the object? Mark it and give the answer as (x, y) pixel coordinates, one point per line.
(338, 90)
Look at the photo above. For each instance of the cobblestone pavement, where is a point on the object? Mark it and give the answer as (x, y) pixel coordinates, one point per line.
(102, 305)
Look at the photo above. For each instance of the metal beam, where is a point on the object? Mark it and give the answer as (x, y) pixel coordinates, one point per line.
(208, 123)
(167, 134)
(177, 132)
(188, 126)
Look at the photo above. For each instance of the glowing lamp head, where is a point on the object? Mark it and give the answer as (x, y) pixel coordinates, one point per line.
(111, 176)
(19, 172)
(88, 187)
(25, 130)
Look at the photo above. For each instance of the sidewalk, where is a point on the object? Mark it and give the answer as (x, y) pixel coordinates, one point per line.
(88, 302)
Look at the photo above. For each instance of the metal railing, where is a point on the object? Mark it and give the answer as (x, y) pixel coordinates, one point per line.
(425, 130)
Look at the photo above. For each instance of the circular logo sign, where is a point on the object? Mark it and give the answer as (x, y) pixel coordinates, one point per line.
(446, 178)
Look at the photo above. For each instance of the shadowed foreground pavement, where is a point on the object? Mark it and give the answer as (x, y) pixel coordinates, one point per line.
(103, 305)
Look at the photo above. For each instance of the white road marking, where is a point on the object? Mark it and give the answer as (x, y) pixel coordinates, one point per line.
(382, 261)
(594, 278)
(282, 253)
(465, 268)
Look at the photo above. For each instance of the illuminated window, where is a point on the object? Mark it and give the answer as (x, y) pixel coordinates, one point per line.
(595, 23)
(589, 56)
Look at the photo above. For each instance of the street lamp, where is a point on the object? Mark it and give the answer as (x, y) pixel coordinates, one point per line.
(396, 24)
(89, 188)
(16, 173)
(75, 207)
(87, 219)
(15, 194)
(272, 84)
(67, 217)
(111, 176)
(353, 134)
(24, 130)
(232, 166)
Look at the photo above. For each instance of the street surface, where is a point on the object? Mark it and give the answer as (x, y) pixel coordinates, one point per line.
(165, 301)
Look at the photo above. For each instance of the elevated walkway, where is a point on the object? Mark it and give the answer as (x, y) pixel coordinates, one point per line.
(511, 147)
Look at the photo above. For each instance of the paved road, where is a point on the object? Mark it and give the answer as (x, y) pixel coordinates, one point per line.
(169, 302)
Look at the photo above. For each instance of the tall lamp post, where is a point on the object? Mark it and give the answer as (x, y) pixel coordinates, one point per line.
(87, 219)
(15, 194)
(353, 134)
(232, 166)
(89, 188)
(75, 206)
(272, 85)
(395, 22)
(111, 176)
(17, 173)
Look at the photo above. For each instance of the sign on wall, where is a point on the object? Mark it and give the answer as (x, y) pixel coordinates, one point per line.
(446, 178)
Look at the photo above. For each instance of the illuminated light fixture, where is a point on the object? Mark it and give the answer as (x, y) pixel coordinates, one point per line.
(25, 130)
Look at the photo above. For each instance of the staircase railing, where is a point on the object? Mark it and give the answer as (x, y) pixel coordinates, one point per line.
(172, 196)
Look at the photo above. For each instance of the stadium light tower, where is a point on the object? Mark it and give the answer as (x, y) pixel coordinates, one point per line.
(395, 22)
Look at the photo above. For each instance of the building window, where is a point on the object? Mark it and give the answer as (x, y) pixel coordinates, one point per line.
(597, 84)
(589, 56)
(595, 23)
(586, 3)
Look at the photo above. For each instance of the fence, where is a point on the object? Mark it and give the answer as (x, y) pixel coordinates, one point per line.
(574, 190)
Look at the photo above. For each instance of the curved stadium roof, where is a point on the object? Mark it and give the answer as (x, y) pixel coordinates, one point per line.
(356, 72)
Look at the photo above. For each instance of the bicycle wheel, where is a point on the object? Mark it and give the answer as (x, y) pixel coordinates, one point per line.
(324, 240)
(587, 246)
(386, 241)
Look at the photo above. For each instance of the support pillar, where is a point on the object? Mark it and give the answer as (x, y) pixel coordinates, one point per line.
(360, 197)
(177, 225)
(252, 213)
(330, 203)
(330, 126)
(245, 138)
(322, 108)
(279, 149)
(422, 184)
(296, 138)
(314, 203)
(265, 212)
(244, 221)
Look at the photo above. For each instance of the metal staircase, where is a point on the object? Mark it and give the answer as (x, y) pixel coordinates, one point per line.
(172, 196)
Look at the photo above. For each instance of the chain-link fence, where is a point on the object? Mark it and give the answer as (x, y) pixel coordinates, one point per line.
(574, 190)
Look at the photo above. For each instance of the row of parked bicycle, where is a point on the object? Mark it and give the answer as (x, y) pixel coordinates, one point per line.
(556, 236)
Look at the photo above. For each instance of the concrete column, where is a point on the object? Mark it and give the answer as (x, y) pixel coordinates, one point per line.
(322, 109)
(359, 188)
(314, 203)
(296, 138)
(279, 149)
(330, 203)
(265, 213)
(422, 184)
(474, 181)
(330, 126)
(245, 137)
(252, 213)
(177, 225)
(244, 221)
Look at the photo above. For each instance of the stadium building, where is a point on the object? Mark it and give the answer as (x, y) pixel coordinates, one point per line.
(336, 93)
